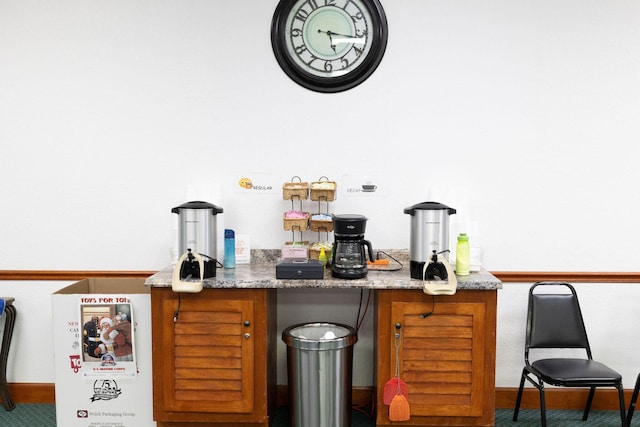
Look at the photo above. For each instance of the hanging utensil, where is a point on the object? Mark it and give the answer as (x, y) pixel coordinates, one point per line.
(395, 385)
(392, 388)
(399, 409)
(396, 393)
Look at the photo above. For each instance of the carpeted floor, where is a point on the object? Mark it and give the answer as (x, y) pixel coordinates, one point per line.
(29, 415)
(531, 418)
(41, 415)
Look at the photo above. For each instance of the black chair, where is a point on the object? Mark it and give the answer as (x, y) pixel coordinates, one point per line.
(634, 399)
(554, 321)
(6, 305)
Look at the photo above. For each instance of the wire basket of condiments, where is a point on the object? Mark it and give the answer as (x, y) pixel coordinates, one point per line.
(295, 190)
(323, 190)
(321, 222)
(316, 247)
(296, 220)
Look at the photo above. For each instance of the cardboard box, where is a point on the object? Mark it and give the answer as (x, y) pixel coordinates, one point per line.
(102, 353)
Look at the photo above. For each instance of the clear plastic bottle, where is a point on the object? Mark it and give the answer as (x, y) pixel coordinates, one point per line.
(462, 255)
(229, 248)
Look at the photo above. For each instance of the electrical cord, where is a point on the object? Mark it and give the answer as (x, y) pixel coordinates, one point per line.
(433, 307)
(359, 308)
(359, 319)
(218, 263)
(177, 312)
(400, 266)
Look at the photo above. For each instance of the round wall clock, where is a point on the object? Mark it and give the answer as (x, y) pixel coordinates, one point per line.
(329, 45)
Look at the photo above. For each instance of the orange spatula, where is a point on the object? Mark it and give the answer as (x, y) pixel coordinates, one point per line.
(393, 387)
(399, 409)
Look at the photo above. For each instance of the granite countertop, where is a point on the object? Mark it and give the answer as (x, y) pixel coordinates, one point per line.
(261, 273)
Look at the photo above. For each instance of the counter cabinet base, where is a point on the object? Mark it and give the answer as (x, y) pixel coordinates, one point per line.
(446, 351)
(215, 364)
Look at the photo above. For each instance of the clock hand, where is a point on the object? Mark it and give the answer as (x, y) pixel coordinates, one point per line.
(331, 33)
(333, 46)
(343, 38)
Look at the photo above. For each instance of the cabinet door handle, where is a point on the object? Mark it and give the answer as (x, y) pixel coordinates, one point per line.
(247, 336)
(247, 323)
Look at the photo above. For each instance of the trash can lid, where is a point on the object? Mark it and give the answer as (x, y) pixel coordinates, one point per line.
(319, 336)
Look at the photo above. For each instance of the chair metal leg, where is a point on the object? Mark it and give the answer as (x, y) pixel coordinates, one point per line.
(10, 320)
(543, 406)
(623, 416)
(634, 399)
(540, 386)
(587, 407)
(516, 410)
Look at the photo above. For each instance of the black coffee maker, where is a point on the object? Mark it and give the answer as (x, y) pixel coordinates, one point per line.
(349, 260)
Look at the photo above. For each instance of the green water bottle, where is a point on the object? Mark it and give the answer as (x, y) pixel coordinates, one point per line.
(462, 255)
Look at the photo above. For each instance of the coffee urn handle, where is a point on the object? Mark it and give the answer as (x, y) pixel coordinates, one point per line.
(370, 250)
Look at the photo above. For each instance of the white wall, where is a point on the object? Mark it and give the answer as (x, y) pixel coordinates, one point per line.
(520, 114)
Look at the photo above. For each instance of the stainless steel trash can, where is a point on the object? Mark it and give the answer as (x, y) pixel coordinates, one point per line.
(319, 371)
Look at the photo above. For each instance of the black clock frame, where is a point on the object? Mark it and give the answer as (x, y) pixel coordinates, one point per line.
(330, 84)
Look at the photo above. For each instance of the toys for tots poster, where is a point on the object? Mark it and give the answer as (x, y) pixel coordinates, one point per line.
(108, 343)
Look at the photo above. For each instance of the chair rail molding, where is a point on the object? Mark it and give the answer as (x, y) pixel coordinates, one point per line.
(504, 276)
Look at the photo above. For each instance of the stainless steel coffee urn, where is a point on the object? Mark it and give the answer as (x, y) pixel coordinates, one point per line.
(197, 231)
(429, 232)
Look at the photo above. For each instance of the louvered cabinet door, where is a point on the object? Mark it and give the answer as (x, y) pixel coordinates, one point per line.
(206, 366)
(447, 358)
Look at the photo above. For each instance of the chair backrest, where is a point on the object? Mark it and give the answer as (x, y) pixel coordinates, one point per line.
(554, 320)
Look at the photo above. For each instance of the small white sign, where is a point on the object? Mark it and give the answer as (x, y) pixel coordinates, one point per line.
(362, 185)
(255, 184)
(243, 249)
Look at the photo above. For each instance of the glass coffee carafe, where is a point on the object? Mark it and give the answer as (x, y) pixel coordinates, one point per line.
(349, 259)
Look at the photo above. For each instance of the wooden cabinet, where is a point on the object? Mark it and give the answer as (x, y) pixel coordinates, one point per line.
(446, 355)
(215, 364)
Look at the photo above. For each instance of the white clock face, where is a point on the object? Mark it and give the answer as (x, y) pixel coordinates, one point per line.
(328, 38)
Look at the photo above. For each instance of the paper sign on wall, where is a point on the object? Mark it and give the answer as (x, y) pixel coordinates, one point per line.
(256, 184)
(362, 186)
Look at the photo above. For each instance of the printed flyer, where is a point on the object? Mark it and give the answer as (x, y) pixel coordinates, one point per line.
(108, 344)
